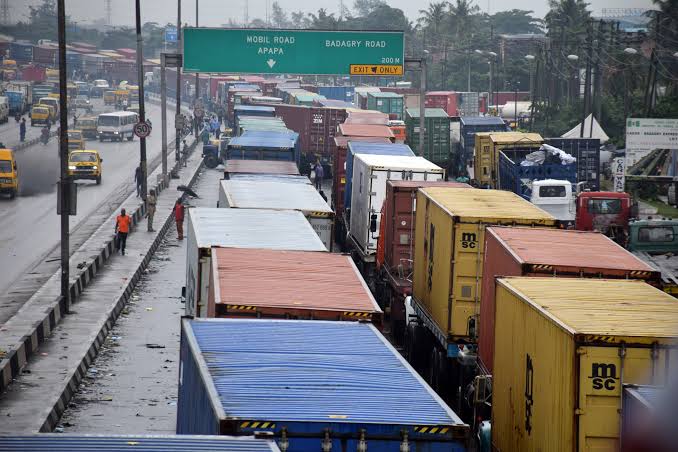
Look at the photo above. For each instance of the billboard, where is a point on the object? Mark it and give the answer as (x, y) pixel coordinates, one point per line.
(652, 147)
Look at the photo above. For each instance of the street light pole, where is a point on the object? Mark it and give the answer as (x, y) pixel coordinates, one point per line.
(163, 113)
(64, 180)
(197, 75)
(177, 139)
(142, 110)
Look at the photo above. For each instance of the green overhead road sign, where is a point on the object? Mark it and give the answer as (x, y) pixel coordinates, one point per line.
(268, 51)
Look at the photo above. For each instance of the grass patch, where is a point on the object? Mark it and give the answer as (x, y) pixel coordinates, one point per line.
(663, 209)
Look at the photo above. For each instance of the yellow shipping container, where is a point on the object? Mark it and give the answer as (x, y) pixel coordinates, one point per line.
(563, 350)
(448, 249)
(486, 152)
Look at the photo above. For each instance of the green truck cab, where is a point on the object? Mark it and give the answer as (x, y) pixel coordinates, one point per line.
(653, 236)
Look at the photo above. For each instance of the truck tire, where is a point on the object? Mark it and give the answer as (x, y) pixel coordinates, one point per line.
(12, 194)
(211, 161)
(99, 180)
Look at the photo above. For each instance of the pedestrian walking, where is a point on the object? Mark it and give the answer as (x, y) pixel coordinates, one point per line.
(139, 179)
(48, 124)
(22, 130)
(122, 223)
(205, 135)
(151, 202)
(179, 218)
(319, 173)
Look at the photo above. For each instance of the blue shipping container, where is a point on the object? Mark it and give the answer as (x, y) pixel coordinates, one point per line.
(470, 125)
(16, 101)
(344, 93)
(73, 61)
(265, 145)
(138, 443)
(21, 51)
(309, 382)
(587, 153)
(515, 177)
(365, 147)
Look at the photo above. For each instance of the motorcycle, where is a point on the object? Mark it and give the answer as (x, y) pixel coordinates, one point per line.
(44, 135)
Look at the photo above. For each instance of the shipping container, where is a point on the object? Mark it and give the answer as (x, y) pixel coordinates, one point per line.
(447, 100)
(361, 91)
(367, 117)
(236, 167)
(322, 129)
(276, 195)
(362, 147)
(502, 97)
(365, 130)
(46, 55)
(331, 103)
(257, 283)
(487, 148)
(343, 387)
(305, 98)
(562, 253)
(514, 175)
(251, 111)
(389, 103)
(238, 228)
(264, 145)
(48, 442)
(344, 93)
(34, 74)
(396, 246)
(370, 174)
(469, 126)
(587, 153)
(468, 104)
(448, 249)
(437, 139)
(564, 348)
(340, 150)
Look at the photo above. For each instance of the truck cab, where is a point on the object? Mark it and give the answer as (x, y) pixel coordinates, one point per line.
(555, 197)
(606, 212)
(9, 177)
(654, 236)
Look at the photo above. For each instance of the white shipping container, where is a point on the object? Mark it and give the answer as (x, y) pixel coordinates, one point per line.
(370, 173)
(276, 195)
(238, 228)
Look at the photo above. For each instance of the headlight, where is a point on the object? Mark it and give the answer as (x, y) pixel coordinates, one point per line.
(71, 167)
(95, 167)
(115, 133)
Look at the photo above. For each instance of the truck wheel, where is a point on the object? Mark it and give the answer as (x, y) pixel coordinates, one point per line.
(211, 161)
(12, 194)
(99, 180)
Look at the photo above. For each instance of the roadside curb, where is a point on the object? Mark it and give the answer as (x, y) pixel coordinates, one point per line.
(15, 358)
(112, 314)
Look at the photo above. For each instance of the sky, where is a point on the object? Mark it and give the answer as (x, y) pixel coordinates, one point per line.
(217, 12)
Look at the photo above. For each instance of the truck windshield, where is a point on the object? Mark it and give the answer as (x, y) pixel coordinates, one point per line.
(555, 191)
(605, 206)
(83, 157)
(5, 166)
(109, 121)
(655, 234)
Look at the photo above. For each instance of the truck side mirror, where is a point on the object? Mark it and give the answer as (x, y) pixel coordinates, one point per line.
(373, 223)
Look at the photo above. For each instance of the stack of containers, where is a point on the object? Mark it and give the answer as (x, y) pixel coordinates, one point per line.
(265, 145)
(208, 229)
(251, 111)
(437, 139)
(344, 387)
(279, 195)
(343, 93)
(447, 100)
(389, 103)
(565, 348)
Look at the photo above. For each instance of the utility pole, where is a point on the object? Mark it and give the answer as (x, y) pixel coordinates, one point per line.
(177, 140)
(163, 113)
(422, 106)
(587, 83)
(596, 100)
(65, 184)
(142, 110)
(197, 75)
(468, 88)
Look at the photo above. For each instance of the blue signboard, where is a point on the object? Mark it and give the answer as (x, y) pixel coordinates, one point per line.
(170, 35)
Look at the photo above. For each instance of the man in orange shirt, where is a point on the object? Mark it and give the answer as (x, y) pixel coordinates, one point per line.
(179, 218)
(122, 223)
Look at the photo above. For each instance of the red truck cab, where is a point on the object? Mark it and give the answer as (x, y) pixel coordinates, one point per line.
(604, 211)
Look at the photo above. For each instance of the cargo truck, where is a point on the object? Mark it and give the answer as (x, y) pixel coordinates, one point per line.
(278, 195)
(210, 228)
(370, 175)
(344, 387)
(564, 348)
(486, 153)
(395, 250)
(606, 212)
(254, 283)
(447, 280)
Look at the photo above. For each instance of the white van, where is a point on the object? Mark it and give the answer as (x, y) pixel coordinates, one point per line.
(4, 109)
(117, 125)
(555, 197)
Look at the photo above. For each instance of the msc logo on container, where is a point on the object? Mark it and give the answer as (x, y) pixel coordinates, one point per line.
(469, 240)
(604, 376)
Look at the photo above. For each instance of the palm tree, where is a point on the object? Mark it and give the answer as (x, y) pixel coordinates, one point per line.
(434, 16)
(568, 16)
(461, 18)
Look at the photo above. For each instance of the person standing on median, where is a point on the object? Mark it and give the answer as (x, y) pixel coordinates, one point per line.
(319, 173)
(122, 223)
(139, 179)
(179, 218)
(151, 202)
(22, 130)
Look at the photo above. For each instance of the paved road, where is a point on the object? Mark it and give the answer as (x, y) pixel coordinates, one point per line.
(29, 227)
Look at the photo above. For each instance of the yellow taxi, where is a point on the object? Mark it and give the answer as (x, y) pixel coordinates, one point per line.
(9, 177)
(88, 126)
(85, 164)
(76, 139)
(40, 114)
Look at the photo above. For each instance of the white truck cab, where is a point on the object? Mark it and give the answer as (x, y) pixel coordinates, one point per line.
(555, 197)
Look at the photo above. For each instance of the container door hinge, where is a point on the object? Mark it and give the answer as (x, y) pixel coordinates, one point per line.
(579, 412)
(581, 351)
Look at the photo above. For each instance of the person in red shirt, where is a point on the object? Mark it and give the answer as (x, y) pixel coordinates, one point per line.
(179, 218)
(122, 223)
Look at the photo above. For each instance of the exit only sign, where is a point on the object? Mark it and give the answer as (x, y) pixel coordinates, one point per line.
(264, 51)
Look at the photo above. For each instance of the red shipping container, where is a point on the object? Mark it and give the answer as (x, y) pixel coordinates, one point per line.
(501, 97)
(33, 74)
(298, 119)
(325, 286)
(322, 129)
(399, 90)
(46, 55)
(367, 117)
(339, 149)
(548, 252)
(447, 100)
(365, 130)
